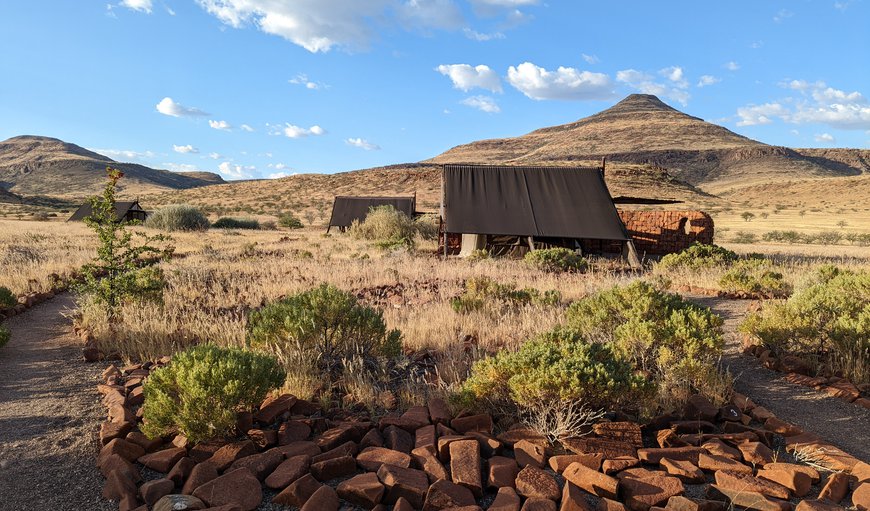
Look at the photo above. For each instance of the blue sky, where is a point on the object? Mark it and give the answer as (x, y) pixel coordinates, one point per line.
(265, 88)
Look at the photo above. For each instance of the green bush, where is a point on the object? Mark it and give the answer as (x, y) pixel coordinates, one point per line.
(556, 260)
(427, 227)
(675, 342)
(557, 366)
(755, 277)
(177, 217)
(483, 292)
(744, 238)
(202, 389)
(827, 324)
(387, 226)
(4, 335)
(236, 223)
(697, 257)
(290, 221)
(7, 298)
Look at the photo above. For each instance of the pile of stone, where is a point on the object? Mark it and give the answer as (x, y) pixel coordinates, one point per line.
(28, 300)
(291, 453)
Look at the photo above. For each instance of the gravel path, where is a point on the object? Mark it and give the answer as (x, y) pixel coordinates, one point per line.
(49, 415)
(843, 424)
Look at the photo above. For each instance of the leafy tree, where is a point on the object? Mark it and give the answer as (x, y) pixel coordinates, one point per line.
(747, 215)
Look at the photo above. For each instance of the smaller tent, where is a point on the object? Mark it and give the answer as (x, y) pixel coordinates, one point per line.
(346, 209)
(124, 211)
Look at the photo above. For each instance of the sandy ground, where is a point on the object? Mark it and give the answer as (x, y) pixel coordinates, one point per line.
(843, 424)
(49, 416)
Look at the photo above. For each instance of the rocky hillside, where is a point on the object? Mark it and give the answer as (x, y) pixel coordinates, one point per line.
(31, 165)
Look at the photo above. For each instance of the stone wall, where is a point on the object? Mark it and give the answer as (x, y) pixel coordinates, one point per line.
(664, 232)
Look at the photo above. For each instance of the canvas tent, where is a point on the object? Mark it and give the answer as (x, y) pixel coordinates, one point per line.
(346, 209)
(124, 211)
(553, 205)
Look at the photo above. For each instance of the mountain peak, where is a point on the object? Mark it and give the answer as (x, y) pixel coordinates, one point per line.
(641, 103)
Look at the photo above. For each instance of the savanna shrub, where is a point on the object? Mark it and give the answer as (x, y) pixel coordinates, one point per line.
(386, 226)
(199, 393)
(827, 324)
(755, 277)
(674, 341)
(177, 217)
(556, 260)
(7, 298)
(556, 366)
(427, 227)
(483, 292)
(290, 221)
(4, 335)
(696, 257)
(236, 223)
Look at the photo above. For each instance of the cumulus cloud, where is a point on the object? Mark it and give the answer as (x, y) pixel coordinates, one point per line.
(278, 166)
(563, 83)
(782, 15)
(590, 59)
(168, 106)
(466, 77)
(233, 171)
(482, 103)
(474, 35)
(731, 66)
(220, 125)
(302, 79)
(215, 156)
(362, 144)
(825, 138)
(818, 103)
(138, 5)
(180, 167)
(245, 127)
(293, 131)
(185, 149)
(647, 84)
(707, 80)
(754, 115)
(116, 154)
(279, 175)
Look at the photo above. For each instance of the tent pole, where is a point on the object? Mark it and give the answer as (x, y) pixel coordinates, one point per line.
(443, 212)
(633, 259)
(531, 243)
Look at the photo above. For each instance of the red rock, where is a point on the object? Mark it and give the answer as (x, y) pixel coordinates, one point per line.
(533, 482)
(303, 407)
(527, 453)
(615, 465)
(573, 499)
(364, 490)
(685, 471)
(334, 437)
(150, 445)
(628, 432)
(179, 502)
(261, 465)
(715, 463)
(136, 396)
(591, 481)
(263, 438)
(273, 407)
(299, 491)
(653, 455)
(783, 428)
(843, 390)
(640, 473)
(717, 447)
(489, 445)
(668, 438)
(182, 442)
(199, 475)
(163, 461)
(465, 467)
(372, 438)
(444, 495)
(228, 454)
(348, 448)
(444, 445)
(398, 439)
(482, 423)
(862, 402)
(559, 463)
(861, 497)
(836, 487)
(372, 458)
(756, 453)
(324, 499)
(425, 437)
(403, 505)
(761, 413)
(818, 505)
(610, 505)
(505, 500)
(407, 424)
(112, 430)
(699, 408)
(729, 413)
(750, 500)
(181, 471)
(429, 463)
(119, 487)
(742, 481)
(152, 491)
(742, 402)
(115, 463)
(798, 482)
(641, 494)
(288, 471)
(333, 468)
(502, 472)
(812, 473)
(538, 504)
(406, 483)
(680, 503)
(607, 448)
(127, 450)
(244, 422)
(824, 454)
(861, 472)
(514, 435)
(439, 411)
(237, 487)
(417, 413)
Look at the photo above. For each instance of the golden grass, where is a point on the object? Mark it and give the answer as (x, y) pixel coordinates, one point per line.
(31, 252)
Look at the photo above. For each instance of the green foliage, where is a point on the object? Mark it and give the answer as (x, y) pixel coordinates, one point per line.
(427, 227)
(177, 217)
(7, 298)
(116, 275)
(290, 221)
(674, 341)
(386, 226)
(483, 292)
(202, 389)
(236, 223)
(827, 324)
(697, 257)
(556, 366)
(4, 335)
(747, 216)
(744, 238)
(556, 260)
(756, 277)
(819, 238)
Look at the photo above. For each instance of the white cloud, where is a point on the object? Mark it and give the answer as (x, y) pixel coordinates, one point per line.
(279, 175)
(245, 127)
(563, 83)
(302, 79)
(441, 14)
(590, 59)
(826, 138)
(169, 10)
(756, 44)
(293, 131)
(138, 5)
(818, 103)
(220, 125)
(466, 77)
(185, 149)
(232, 171)
(782, 15)
(646, 83)
(707, 80)
(482, 103)
(754, 115)
(180, 167)
(474, 35)
(123, 153)
(362, 144)
(215, 156)
(842, 5)
(731, 66)
(278, 166)
(675, 75)
(168, 106)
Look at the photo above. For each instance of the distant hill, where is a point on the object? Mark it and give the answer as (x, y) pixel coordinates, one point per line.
(32, 165)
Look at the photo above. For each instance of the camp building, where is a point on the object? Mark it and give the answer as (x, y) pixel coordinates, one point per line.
(346, 209)
(124, 211)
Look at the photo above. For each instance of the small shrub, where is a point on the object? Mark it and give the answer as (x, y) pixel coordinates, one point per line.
(386, 226)
(483, 292)
(236, 223)
(177, 217)
(479, 254)
(427, 227)
(202, 389)
(697, 257)
(290, 221)
(747, 216)
(744, 238)
(4, 335)
(556, 260)
(755, 277)
(7, 298)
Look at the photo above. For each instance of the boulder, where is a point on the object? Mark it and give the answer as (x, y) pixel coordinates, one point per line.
(181, 470)
(324, 499)
(591, 481)
(261, 465)
(527, 453)
(398, 439)
(559, 463)
(861, 497)
(505, 500)
(756, 453)
(685, 471)
(372, 438)
(654, 455)
(742, 481)
(538, 504)
(228, 454)
(797, 482)
(628, 432)
(163, 461)
(348, 448)
(641, 494)
(273, 407)
(836, 487)
(715, 463)
(439, 411)
(178, 503)
(533, 482)
(465, 466)
(406, 483)
(372, 458)
(700, 408)
(288, 471)
(818, 505)
(333, 468)
(425, 458)
(236, 487)
(293, 431)
(299, 491)
(299, 448)
(502, 472)
(445, 495)
(573, 499)
(746, 499)
(481, 422)
(364, 490)
(199, 475)
(152, 491)
(612, 466)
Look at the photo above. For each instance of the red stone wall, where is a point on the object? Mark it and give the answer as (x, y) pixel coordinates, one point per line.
(664, 232)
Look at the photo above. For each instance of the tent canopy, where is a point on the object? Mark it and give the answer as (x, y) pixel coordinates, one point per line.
(129, 210)
(347, 209)
(556, 202)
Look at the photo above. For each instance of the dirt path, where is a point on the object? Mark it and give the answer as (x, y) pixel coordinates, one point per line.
(49, 415)
(843, 424)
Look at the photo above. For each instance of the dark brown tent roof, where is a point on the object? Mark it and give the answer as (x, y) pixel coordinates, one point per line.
(121, 210)
(347, 209)
(626, 199)
(558, 202)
